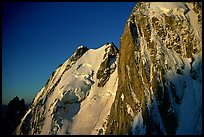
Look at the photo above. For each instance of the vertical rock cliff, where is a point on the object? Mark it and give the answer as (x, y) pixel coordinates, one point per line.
(160, 71)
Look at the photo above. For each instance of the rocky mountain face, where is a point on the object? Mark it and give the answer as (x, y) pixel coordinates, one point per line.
(159, 70)
(153, 85)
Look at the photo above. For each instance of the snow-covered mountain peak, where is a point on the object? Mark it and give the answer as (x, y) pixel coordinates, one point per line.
(72, 92)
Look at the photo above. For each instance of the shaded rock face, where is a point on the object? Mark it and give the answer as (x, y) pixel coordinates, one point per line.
(107, 66)
(160, 68)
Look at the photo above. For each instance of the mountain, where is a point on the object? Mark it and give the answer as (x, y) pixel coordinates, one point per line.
(78, 95)
(152, 85)
(160, 71)
(12, 114)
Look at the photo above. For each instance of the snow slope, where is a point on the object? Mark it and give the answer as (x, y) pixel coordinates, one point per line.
(71, 101)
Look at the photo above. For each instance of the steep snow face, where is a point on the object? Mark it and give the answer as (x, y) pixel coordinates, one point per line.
(71, 102)
(160, 83)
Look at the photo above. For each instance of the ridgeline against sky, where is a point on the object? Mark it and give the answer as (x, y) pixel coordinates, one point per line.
(37, 37)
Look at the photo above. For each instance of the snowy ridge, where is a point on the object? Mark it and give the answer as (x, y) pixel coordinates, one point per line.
(69, 102)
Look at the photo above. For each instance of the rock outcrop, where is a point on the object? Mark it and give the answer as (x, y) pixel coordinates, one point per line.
(107, 66)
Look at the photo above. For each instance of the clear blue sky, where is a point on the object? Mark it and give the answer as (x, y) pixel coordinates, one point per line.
(38, 37)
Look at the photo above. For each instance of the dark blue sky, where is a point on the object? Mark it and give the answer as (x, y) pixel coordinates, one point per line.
(38, 37)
